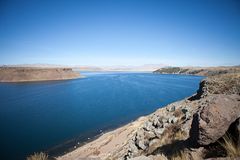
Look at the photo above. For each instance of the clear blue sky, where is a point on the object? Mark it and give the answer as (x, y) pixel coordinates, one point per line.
(120, 32)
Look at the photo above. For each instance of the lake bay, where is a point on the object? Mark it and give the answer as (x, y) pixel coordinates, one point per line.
(42, 115)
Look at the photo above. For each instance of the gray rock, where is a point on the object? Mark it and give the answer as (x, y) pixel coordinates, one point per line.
(141, 144)
(187, 114)
(165, 120)
(166, 125)
(148, 126)
(133, 147)
(140, 139)
(157, 122)
(171, 108)
(154, 142)
(172, 119)
(159, 131)
(149, 135)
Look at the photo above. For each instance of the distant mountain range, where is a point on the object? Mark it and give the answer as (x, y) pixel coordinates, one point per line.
(157, 68)
(146, 67)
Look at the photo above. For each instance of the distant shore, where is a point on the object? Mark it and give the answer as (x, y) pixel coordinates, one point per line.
(201, 71)
(33, 74)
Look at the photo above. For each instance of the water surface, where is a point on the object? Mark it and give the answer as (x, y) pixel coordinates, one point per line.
(40, 116)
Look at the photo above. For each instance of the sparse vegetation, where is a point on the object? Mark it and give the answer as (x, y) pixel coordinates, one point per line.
(207, 71)
(169, 70)
(232, 149)
(38, 156)
(180, 156)
(173, 143)
(226, 84)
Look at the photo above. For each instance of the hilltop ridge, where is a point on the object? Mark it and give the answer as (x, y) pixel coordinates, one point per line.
(202, 71)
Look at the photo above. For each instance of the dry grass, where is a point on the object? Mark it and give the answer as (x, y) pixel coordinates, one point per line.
(38, 156)
(178, 113)
(232, 149)
(224, 84)
(160, 157)
(173, 133)
(180, 135)
(180, 156)
(173, 144)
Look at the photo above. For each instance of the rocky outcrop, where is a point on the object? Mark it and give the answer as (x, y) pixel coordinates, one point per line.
(26, 74)
(190, 128)
(221, 84)
(215, 118)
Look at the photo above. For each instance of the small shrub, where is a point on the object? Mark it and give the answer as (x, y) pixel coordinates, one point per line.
(38, 156)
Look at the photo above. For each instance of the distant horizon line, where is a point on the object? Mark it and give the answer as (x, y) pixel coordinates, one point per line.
(117, 65)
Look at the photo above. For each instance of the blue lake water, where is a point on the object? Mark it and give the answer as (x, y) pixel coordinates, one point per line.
(40, 116)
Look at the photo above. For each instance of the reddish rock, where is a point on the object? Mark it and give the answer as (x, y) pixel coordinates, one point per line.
(216, 117)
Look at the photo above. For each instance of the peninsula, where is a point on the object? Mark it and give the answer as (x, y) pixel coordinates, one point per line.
(29, 74)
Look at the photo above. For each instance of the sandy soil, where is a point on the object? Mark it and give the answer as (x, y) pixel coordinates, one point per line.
(105, 144)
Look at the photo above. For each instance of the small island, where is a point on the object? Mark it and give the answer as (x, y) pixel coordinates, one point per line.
(29, 74)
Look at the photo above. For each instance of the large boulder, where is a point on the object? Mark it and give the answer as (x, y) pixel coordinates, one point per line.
(216, 117)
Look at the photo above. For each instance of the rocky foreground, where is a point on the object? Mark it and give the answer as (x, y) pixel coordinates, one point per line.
(203, 126)
(26, 74)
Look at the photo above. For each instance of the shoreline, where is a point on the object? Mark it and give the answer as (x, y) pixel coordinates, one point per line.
(116, 130)
(147, 133)
(69, 145)
(63, 149)
(107, 135)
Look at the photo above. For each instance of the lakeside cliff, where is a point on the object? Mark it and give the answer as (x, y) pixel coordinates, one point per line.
(26, 74)
(205, 125)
